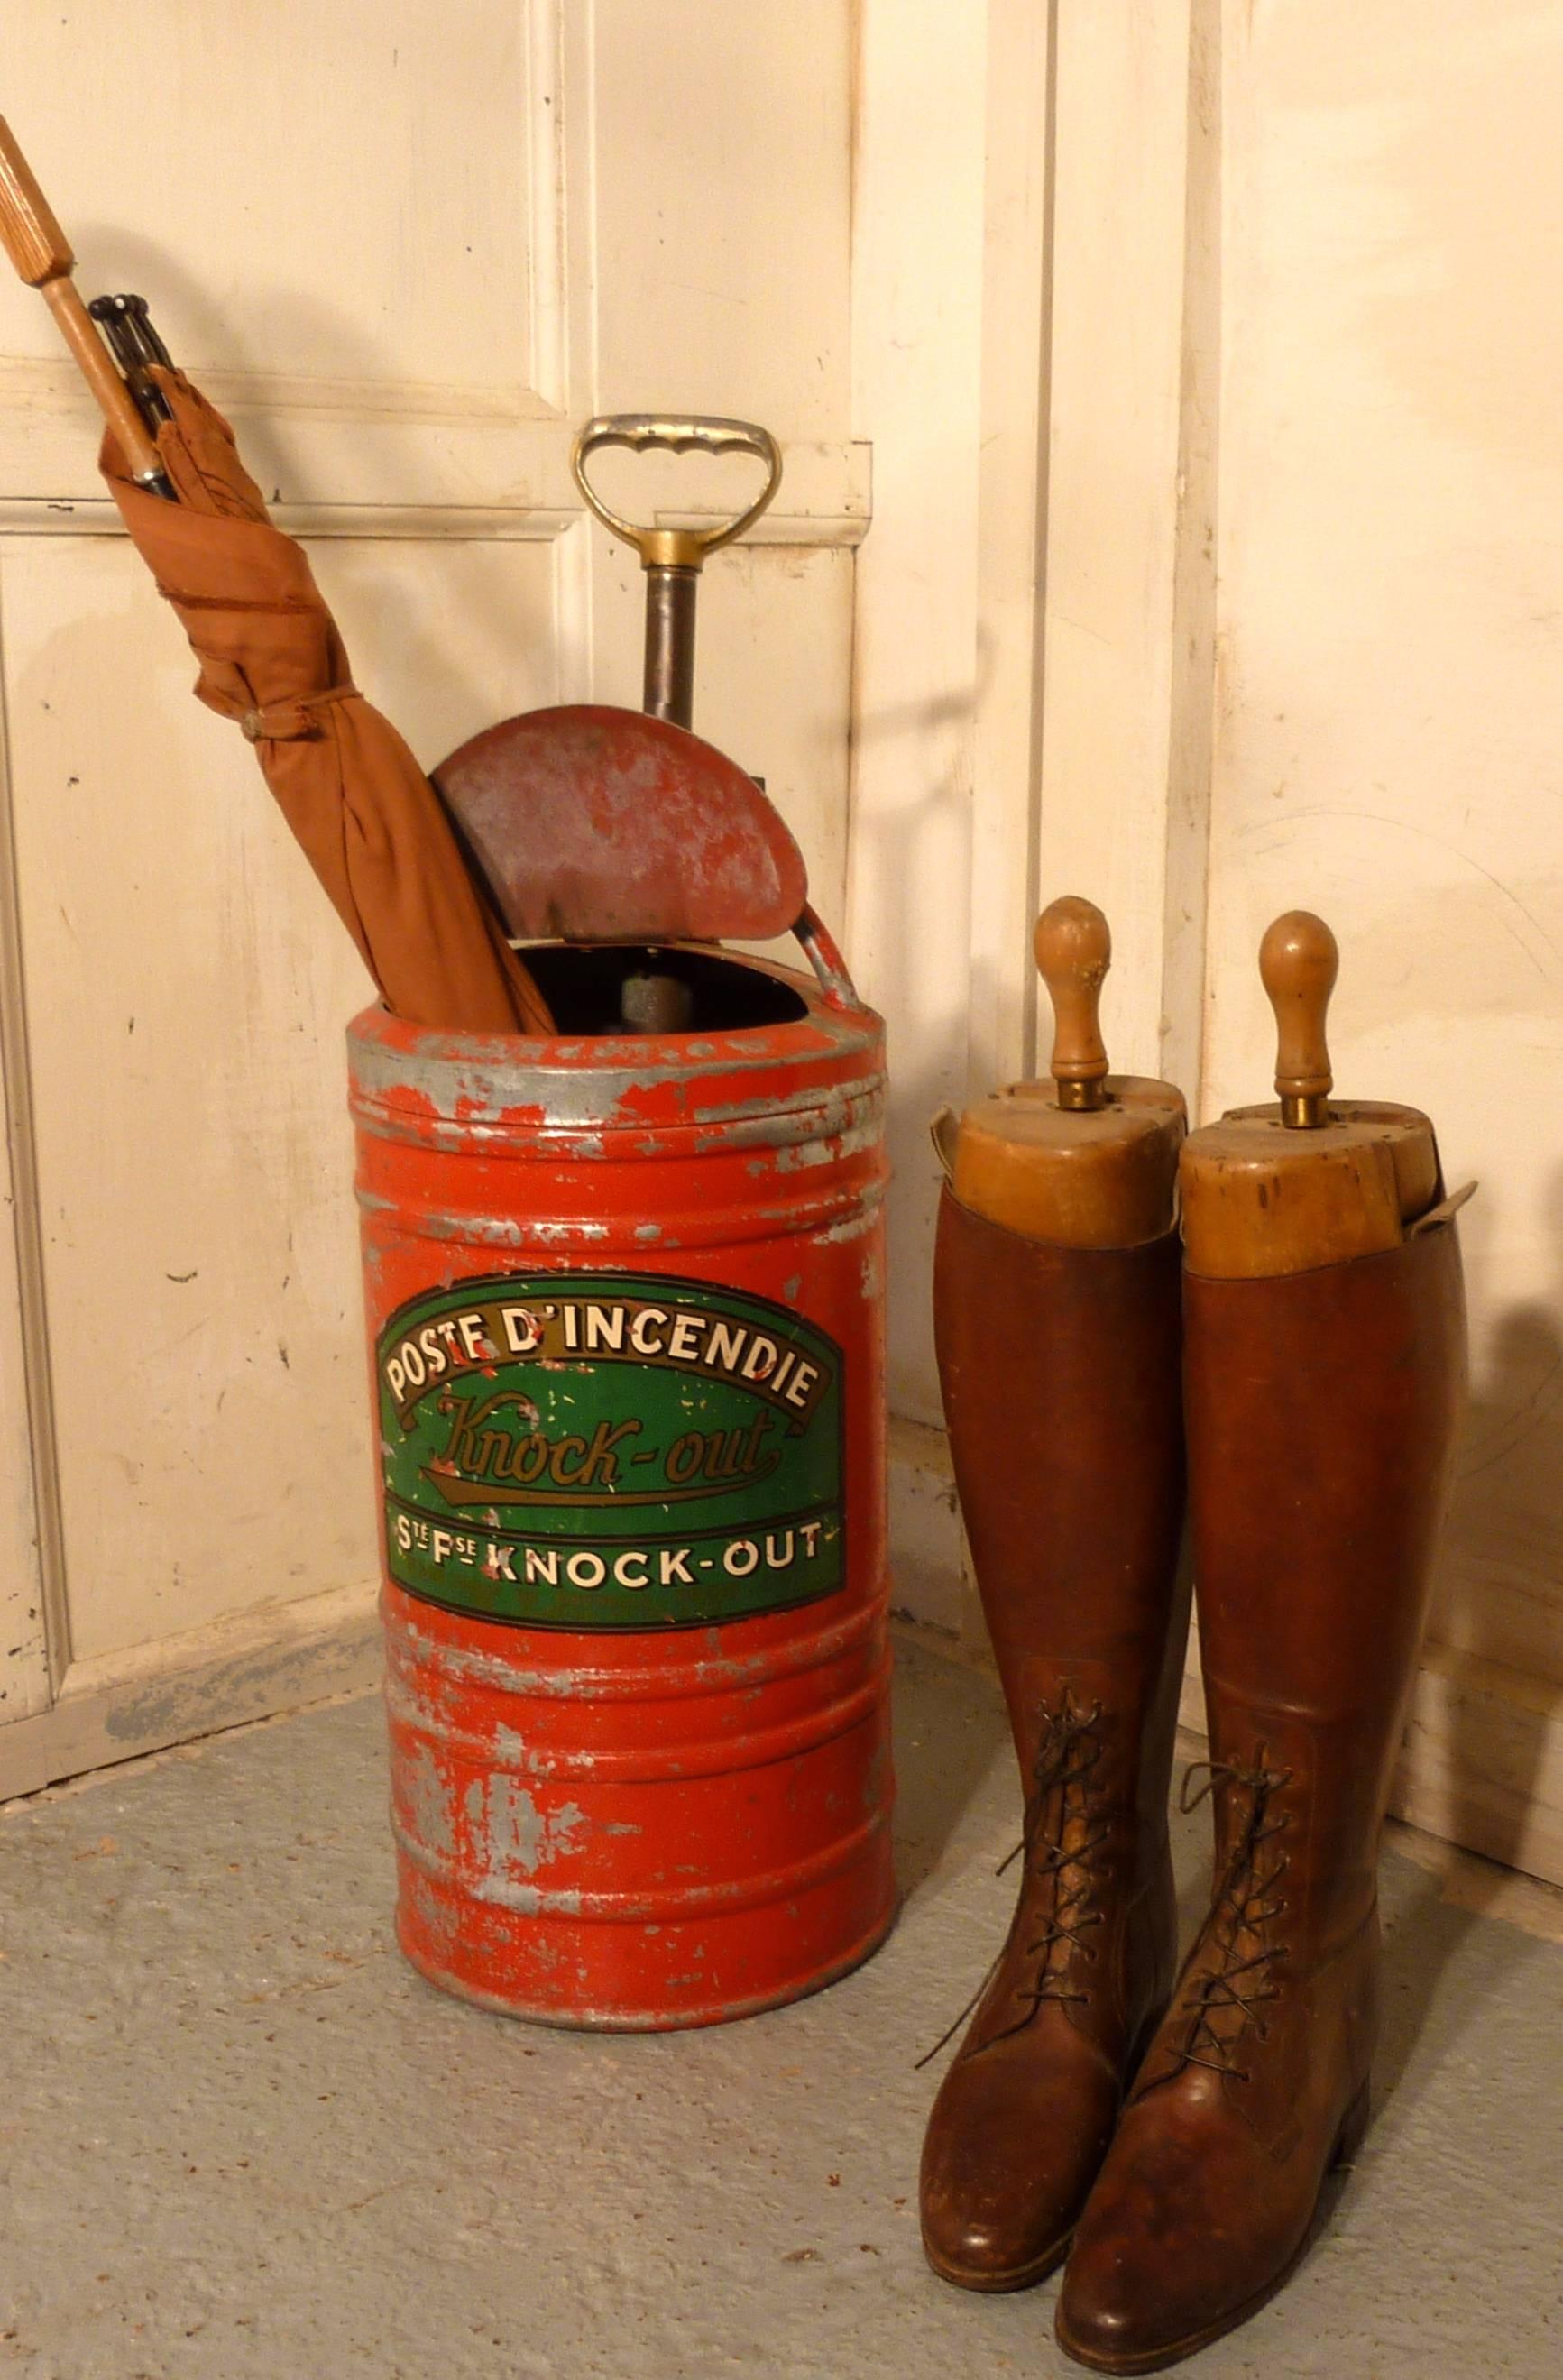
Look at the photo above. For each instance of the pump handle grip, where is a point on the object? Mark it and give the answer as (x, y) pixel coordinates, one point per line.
(681, 549)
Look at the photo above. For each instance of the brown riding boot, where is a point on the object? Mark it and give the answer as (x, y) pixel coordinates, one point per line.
(1060, 1372)
(1321, 1406)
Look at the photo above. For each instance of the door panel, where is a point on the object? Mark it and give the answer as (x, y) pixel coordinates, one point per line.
(315, 193)
(724, 174)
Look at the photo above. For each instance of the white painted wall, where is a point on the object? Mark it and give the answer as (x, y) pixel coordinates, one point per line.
(1295, 596)
(1388, 744)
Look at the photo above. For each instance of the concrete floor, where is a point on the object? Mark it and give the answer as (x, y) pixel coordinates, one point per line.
(240, 2136)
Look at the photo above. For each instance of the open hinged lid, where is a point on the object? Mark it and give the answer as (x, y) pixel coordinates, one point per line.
(600, 825)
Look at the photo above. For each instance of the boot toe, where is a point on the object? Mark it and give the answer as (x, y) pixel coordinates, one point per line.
(1113, 2314)
(1104, 2337)
(1008, 2163)
(1139, 2312)
(1006, 2252)
(1000, 2221)
(1181, 2240)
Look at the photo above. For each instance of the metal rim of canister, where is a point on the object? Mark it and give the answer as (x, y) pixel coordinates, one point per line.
(411, 1082)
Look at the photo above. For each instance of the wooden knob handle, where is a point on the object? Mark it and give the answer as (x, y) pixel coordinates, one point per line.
(1298, 963)
(1074, 952)
(32, 237)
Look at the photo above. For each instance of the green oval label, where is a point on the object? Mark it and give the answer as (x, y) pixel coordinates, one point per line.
(610, 1450)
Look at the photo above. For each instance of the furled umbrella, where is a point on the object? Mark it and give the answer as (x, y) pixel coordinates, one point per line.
(372, 826)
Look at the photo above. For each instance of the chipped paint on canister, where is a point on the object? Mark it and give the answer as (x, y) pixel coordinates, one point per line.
(625, 1322)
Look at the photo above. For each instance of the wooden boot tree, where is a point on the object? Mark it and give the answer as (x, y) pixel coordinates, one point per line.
(1309, 1181)
(1085, 1159)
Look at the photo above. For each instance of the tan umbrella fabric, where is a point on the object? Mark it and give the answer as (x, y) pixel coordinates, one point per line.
(375, 831)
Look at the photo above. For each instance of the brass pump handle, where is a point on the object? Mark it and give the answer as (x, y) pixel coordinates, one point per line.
(1073, 948)
(671, 557)
(1298, 960)
(40, 252)
(678, 549)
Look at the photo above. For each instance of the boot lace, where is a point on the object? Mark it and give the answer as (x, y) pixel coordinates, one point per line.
(1066, 1760)
(1240, 1981)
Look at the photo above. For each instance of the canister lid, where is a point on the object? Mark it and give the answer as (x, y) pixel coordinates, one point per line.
(600, 825)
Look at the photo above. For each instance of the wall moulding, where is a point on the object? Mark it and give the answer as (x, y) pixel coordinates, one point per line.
(30, 387)
(422, 484)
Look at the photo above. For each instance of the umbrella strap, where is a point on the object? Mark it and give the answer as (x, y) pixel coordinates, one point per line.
(295, 715)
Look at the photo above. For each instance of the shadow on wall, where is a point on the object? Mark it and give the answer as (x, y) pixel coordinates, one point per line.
(1503, 1517)
(910, 879)
(1498, 1598)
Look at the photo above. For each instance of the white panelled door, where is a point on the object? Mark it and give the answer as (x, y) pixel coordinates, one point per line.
(408, 250)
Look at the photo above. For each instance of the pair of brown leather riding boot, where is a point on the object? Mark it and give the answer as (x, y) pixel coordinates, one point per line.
(1169, 2129)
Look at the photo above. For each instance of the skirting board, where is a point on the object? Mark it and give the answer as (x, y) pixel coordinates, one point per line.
(248, 1668)
(1483, 1760)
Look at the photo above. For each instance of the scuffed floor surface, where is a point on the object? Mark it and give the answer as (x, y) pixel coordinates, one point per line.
(240, 2137)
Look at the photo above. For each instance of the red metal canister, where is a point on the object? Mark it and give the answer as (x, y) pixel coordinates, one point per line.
(625, 1303)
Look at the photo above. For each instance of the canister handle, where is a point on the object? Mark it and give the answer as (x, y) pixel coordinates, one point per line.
(680, 549)
(826, 960)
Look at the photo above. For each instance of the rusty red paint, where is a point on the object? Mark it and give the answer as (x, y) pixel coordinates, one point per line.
(637, 1827)
(605, 825)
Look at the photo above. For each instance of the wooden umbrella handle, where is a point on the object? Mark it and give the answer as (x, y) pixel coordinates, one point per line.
(38, 249)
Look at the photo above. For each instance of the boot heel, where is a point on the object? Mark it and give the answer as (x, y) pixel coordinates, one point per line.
(1353, 2127)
